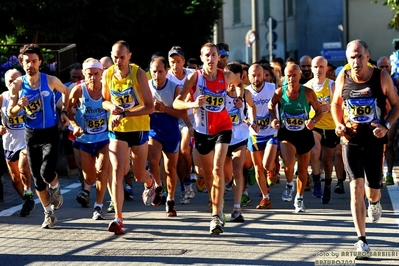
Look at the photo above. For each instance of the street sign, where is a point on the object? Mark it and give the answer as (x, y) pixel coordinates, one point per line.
(333, 54)
(332, 45)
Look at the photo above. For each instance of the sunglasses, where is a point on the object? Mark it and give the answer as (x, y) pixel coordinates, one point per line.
(223, 56)
(384, 66)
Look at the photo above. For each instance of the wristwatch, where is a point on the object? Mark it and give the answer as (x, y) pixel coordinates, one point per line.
(388, 125)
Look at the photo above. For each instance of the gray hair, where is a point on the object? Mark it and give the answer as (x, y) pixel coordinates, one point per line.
(360, 42)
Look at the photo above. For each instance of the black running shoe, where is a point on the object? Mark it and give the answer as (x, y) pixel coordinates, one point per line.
(158, 196)
(28, 205)
(339, 188)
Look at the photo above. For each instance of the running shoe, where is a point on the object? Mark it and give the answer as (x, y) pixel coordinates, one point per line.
(83, 198)
(245, 199)
(188, 191)
(128, 191)
(229, 186)
(183, 198)
(158, 196)
(111, 208)
(148, 195)
(326, 195)
(200, 184)
(374, 212)
(56, 197)
(28, 205)
(265, 203)
(216, 226)
(339, 188)
(117, 227)
(287, 193)
(236, 216)
(193, 177)
(317, 193)
(389, 179)
(49, 220)
(270, 178)
(362, 250)
(171, 208)
(299, 205)
(97, 213)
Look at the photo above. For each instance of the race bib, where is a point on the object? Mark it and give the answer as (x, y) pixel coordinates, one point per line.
(235, 116)
(214, 102)
(294, 122)
(263, 122)
(33, 107)
(125, 99)
(361, 110)
(95, 124)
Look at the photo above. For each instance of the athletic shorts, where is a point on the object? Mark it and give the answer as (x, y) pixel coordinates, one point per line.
(302, 140)
(169, 146)
(91, 148)
(259, 143)
(136, 138)
(234, 147)
(328, 137)
(12, 156)
(364, 162)
(206, 143)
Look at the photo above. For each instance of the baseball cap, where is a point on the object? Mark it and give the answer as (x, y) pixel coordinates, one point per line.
(176, 50)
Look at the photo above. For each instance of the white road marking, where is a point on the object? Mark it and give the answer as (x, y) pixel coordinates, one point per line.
(12, 210)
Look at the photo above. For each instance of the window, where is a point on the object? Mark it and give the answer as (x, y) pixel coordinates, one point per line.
(266, 9)
(290, 8)
(237, 12)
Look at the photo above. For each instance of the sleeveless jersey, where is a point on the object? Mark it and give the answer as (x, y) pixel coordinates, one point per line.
(13, 139)
(294, 113)
(162, 125)
(212, 118)
(127, 94)
(364, 103)
(180, 82)
(324, 95)
(261, 100)
(41, 110)
(240, 128)
(92, 118)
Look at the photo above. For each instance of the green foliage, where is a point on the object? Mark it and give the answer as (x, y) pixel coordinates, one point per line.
(394, 4)
(148, 26)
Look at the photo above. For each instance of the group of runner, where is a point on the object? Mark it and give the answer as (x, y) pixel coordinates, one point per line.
(218, 122)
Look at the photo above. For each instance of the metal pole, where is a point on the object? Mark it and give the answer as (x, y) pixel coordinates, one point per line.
(270, 37)
(255, 44)
(285, 31)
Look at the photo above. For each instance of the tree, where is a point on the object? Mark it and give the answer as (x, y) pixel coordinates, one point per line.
(394, 22)
(148, 26)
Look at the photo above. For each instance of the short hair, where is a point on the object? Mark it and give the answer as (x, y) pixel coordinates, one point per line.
(223, 46)
(360, 42)
(292, 60)
(234, 67)
(122, 43)
(245, 66)
(10, 72)
(210, 45)
(161, 59)
(193, 61)
(30, 49)
(332, 66)
(76, 66)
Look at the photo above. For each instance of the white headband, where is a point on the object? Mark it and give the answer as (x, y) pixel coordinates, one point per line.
(92, 64)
